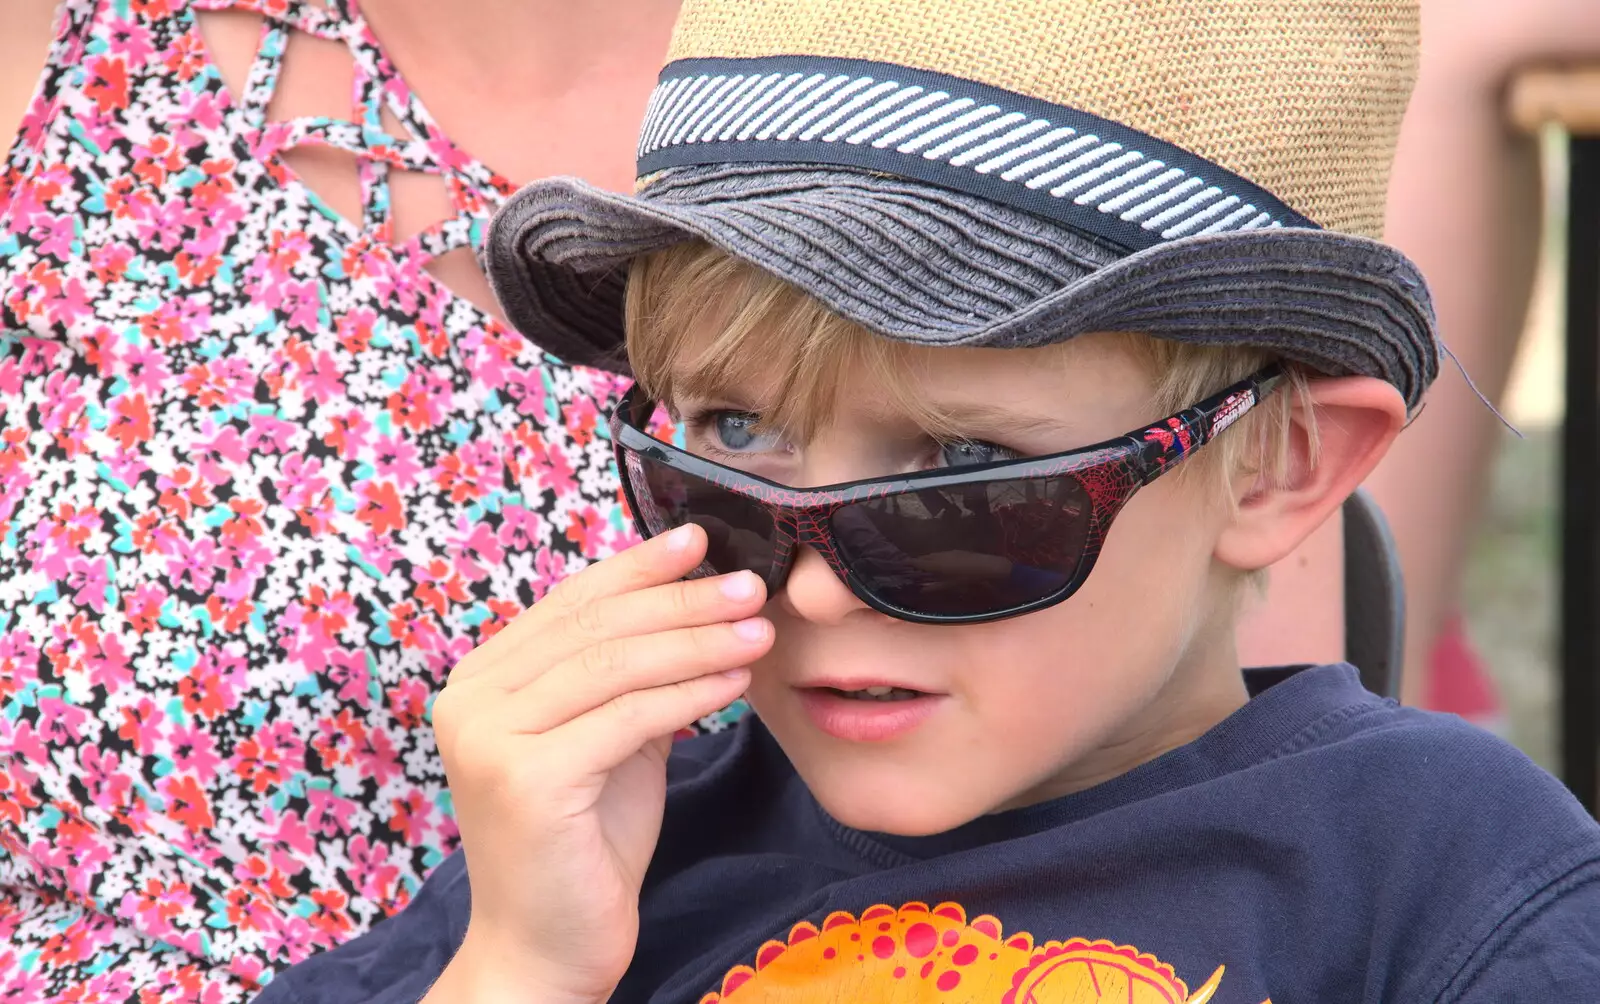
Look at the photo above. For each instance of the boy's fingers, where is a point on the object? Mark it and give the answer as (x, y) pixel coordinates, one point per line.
(608, 672)
(656, 610)
(608, 735)
(654, 562)
(650, 563)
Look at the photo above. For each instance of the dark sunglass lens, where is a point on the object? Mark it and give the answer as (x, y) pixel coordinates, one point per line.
(967, 550)
(741, 533)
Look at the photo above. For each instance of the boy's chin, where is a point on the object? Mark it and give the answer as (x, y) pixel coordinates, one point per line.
(902, 790)
(902, 810)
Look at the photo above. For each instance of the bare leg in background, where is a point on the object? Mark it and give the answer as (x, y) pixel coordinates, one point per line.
(1465, 205)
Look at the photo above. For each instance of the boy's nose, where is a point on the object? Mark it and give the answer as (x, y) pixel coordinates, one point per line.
(812, 592)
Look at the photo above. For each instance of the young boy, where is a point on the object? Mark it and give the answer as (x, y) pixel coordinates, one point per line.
(938, 259)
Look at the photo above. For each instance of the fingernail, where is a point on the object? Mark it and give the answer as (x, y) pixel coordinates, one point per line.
(751, 629)
(739, 586)
(679, 539)
(734, 674)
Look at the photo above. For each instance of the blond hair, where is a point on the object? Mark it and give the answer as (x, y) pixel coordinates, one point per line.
(763, 326)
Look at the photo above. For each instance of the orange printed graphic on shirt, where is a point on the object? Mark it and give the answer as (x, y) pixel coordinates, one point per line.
(917, 954)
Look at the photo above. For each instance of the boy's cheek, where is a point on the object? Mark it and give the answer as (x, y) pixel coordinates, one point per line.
(1154, 575)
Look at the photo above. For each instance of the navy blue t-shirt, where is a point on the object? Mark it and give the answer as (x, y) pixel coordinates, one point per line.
(1319, 845)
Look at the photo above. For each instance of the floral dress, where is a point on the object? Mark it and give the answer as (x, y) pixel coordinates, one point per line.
(262, 482)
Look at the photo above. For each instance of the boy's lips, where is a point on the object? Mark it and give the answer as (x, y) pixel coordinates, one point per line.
(848, 683)
(855, 719)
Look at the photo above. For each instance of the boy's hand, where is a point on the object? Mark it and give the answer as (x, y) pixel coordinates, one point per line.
(555, 734)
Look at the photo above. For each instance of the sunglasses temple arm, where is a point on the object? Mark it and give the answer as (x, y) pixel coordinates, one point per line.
(1165, 444)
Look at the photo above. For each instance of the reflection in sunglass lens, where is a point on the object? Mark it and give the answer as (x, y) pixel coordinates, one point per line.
(741, 533)
(968, 549)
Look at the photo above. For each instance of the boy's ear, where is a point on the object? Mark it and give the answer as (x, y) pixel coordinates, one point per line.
(1356, 418)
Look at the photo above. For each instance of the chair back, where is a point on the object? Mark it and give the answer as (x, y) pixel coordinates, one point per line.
(1374, 597)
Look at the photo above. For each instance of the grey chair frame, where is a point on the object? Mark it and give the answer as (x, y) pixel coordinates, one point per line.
(1374, 597)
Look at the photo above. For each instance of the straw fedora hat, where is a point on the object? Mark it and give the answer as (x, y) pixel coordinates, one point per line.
(1015, 173)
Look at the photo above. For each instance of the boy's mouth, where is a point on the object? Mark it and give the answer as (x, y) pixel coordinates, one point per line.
(876, 693)
(857, 711)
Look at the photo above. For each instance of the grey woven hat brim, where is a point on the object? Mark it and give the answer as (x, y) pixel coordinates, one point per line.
(924, 265)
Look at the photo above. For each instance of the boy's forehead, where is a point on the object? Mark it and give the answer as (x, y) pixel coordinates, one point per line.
(1070, 389)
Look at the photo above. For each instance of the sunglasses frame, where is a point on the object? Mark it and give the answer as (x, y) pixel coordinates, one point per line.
(1110, 473)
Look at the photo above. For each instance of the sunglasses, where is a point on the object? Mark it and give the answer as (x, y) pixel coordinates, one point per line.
(959, 545)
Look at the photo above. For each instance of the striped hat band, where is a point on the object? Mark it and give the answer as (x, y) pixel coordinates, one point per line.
(1100, 177)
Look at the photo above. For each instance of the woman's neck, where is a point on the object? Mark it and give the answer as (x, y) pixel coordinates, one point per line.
(533, 87)
(533, 49)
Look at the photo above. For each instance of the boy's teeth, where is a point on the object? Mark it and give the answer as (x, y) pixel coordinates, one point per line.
(880, 694)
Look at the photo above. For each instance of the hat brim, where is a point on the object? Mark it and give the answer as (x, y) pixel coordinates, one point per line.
(909, 262)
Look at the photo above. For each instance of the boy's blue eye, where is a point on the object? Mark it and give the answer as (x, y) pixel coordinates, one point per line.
(969, 452)
(736, 430)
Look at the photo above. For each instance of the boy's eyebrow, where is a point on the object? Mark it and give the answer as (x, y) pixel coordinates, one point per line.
(993, 418)
(691, 398)
(699, 387)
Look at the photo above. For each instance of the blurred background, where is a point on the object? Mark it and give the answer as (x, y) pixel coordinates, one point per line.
(1511, 582)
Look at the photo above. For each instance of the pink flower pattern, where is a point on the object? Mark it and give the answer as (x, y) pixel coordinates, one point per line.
(262, 482)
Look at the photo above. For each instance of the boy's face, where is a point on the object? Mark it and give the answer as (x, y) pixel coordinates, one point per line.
(1140, 660)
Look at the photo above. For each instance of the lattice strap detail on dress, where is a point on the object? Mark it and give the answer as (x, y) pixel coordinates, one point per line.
(463, 231)
(376, 150)
(341, 134)
(324, 21)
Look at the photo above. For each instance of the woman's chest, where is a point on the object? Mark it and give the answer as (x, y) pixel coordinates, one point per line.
(217, 391)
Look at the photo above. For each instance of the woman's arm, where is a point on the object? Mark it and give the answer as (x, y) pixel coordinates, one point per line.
(24, 41)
